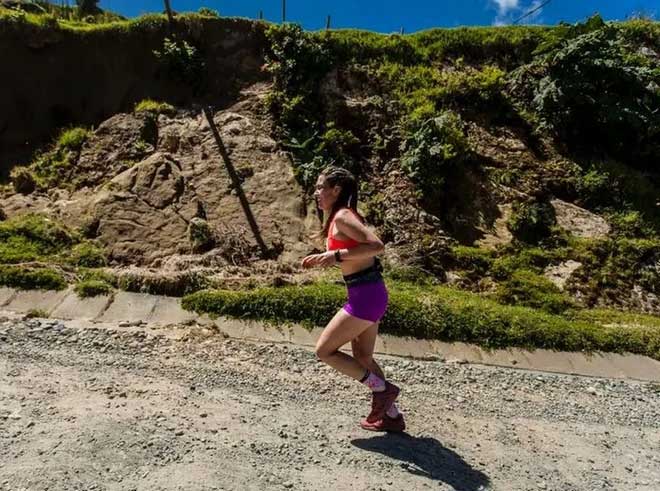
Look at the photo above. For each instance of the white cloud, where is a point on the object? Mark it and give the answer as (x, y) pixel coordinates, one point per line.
(506, 5)
(510, 10)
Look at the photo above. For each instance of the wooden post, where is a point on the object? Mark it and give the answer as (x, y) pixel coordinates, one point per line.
(327, 23)
(170, 17)
(283, 11)
(236, 183)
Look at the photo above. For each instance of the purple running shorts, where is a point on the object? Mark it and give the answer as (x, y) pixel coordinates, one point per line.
(367, 301)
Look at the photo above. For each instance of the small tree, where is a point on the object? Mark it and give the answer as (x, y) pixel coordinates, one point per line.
(87, 7)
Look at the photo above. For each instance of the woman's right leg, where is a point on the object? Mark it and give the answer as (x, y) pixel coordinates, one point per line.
(340, 330)
(363, 350)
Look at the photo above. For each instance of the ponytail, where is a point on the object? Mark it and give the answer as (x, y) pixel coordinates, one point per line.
(348, 196)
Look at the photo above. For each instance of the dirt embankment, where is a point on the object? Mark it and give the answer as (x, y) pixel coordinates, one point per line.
(52, 78)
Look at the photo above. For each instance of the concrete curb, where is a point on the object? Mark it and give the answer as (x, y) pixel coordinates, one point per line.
(161, 311)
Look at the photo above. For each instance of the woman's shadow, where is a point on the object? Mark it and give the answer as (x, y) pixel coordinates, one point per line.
(427, 457)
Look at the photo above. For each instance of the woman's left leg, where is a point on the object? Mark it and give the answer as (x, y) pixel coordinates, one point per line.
(340, 330)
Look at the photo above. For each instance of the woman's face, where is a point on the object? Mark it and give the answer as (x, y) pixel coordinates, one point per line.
(325, 194)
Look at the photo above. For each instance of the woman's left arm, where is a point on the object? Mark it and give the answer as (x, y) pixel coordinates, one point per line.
(370, 245)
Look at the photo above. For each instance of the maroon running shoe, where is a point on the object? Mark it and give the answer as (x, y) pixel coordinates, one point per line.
(381, 402)
(396, 425)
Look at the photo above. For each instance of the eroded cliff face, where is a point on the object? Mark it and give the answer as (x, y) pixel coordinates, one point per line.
(137, 198)
(55, 77)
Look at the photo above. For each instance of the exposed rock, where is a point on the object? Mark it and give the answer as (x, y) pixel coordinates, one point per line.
(560, 273)
(499, 234)
(580, 222)
(141, 198)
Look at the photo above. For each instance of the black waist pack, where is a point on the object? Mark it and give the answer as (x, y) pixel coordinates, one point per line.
(372, 274)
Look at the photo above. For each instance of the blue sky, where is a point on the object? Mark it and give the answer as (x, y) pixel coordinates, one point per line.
(412, 15)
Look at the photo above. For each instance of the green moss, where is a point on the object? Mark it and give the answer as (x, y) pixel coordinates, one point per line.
(611, 317)
(72, 139)
(534, 259)
(88, 255)
(431, 313)
(92, 288)
(151, 106)
(612, 268)
(31, 279)
(97, 274)
(426, 90)
(19, 249)
(55, 166)
(526, 288)
(31, 236)
(23, 180)
(474, 261)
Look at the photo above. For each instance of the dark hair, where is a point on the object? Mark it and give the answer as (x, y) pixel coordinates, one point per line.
(348, 196)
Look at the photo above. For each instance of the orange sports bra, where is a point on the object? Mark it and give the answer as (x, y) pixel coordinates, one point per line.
(334, 244)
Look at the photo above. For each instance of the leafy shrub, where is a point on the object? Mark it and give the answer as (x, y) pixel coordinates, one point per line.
(594, 90)
(532, 221)
(529, 289)
(87, 7)
(296, 60)
(631, 224)
(431, 152)
(182, 61)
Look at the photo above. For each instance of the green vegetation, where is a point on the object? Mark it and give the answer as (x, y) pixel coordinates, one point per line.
(151, 106)
(532, 221)
(88, 255)
(54, 167)
(92, 288)
(31, 278)
(592, 88)
(529, 289)
(432, 313)
(182, 61)
(473, 262)
(32, 237)
(207, 12)
(432, 151)
(36, 313)
(28, 243)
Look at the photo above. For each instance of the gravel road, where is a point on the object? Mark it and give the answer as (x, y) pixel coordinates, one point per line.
(186, 408)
